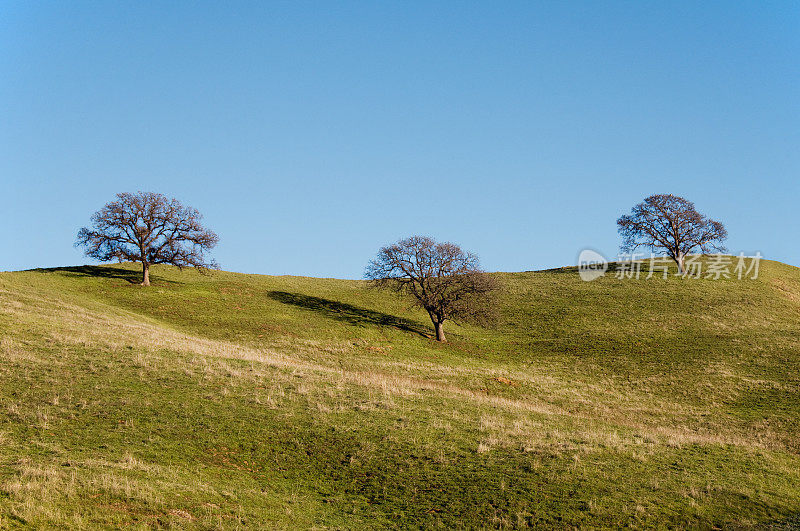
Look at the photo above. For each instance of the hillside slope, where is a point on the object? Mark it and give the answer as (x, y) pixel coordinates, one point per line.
(245, 400)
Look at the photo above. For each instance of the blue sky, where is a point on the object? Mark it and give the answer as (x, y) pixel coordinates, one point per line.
(310, 134)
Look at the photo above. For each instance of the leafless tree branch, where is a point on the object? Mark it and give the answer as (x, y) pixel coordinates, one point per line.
(671, 224)
(149, 228)
(444, 280)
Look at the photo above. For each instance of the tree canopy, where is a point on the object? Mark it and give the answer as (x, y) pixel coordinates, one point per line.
(149, 228)
(669, 223)
(444, 280)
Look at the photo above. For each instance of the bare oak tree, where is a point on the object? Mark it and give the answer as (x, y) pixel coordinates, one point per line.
(443, 280)
(669, 223)
(149, 228)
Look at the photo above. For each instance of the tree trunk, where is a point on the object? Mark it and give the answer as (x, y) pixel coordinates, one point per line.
(145, 274)
(681, 265)
(439, 332)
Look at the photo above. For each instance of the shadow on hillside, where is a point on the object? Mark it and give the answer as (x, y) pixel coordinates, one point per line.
(347, 312)
(133, 277)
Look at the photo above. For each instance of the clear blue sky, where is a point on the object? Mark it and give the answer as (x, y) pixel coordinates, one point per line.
(309, 134)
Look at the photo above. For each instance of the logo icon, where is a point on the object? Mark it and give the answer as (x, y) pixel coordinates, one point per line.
(591, 265)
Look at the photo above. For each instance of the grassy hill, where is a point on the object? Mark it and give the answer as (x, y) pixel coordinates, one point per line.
(237, 400)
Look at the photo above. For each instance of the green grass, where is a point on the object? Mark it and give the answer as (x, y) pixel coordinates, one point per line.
(236, 400)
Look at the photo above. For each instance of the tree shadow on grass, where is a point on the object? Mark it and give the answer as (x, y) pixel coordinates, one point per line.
(347, 312)
(133, 277)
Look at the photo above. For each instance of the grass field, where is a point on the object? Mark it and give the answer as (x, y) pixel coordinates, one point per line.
(241, 401)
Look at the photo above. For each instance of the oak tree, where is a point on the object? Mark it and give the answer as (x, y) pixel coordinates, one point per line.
(441, 278)
(670, 224)
(151, 229)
